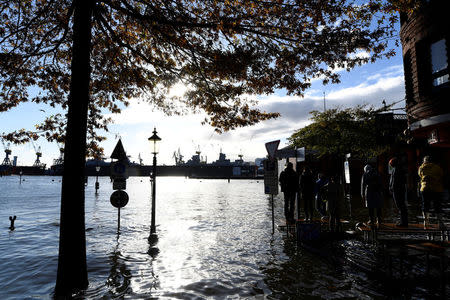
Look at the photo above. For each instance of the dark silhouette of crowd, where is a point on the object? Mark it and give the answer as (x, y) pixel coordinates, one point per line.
(324, 195)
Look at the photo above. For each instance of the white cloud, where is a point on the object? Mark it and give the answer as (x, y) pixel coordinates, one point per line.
(186, 132)
(365, 89)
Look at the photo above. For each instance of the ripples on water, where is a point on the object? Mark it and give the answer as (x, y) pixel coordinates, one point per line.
(214, 239)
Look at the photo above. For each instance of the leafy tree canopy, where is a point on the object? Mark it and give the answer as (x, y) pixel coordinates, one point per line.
(340, 131)
(221, 50)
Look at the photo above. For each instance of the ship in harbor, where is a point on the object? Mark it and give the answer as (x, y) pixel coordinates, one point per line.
(196, 167)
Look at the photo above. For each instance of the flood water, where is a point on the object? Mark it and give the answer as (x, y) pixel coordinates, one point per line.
(215, 242)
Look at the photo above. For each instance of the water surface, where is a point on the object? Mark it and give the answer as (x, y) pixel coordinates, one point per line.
(215, 242)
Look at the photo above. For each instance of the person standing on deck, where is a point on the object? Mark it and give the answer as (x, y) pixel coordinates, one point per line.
(431, 188)
(371, 192)
(307, 190)
(320, 205)
(333, 195)
(289, 186)
(397, 186)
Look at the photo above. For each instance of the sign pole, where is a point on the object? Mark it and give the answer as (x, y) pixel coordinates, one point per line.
(119, 174)
(271, 175)
(118, 220)
(273, 217)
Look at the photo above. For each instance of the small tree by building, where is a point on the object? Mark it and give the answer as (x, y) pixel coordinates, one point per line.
(363, 131)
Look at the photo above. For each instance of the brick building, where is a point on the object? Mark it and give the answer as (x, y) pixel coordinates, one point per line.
(425, 37)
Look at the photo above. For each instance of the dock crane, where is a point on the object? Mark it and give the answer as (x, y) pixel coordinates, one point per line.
(60, 159)
(37, 150)
(178, 157)
(198, 151)
(6, 160)
(240, 155)
(202, 160)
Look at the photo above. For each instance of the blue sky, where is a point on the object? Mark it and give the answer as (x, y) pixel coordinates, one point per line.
(369, 84)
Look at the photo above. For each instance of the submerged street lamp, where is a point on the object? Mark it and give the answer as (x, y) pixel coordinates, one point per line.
(97, 185)
(154, 146)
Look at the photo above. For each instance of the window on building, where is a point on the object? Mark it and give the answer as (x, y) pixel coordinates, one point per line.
(408, 77)
(439, 63)
(424, 72)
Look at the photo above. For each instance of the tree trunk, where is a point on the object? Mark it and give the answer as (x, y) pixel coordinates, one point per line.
(72, 270)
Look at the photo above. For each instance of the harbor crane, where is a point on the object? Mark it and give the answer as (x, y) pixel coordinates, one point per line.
(37, 150)
(6, 160)
(178, 157)
(60, 159)
(240, 155)
(202, 159)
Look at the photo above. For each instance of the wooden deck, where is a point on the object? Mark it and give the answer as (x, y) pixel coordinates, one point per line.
(413, 231)
(290, 227)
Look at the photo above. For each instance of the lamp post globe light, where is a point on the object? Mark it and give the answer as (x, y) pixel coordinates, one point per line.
(154, 146)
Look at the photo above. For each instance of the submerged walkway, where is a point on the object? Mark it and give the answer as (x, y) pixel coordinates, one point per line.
(400, 248)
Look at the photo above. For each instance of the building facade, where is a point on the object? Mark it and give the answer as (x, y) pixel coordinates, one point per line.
(425, 38)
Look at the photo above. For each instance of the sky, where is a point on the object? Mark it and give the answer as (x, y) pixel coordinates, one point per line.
(368, 84)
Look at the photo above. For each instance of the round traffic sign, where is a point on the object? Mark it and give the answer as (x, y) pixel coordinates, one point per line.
(119, 199)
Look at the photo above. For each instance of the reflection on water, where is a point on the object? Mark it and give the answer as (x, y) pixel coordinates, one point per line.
(214, 239)
(118, 281)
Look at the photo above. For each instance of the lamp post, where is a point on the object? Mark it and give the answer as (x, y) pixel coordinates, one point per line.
(97, 185)
(154, 145)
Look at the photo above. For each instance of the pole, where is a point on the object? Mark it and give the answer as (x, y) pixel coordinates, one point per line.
(153, 237)
(273, 217)
(118, 220)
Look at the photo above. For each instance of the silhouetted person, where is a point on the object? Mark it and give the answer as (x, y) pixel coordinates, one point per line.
(397, 186)
(431, 188)
(320, 205)
(289, 186)
(371, 192)
(333, 195)
(307, 190)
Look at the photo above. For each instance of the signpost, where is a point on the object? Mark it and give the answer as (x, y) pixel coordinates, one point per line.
(119, 184)
(272, 147)
(119, 199)
(271, 175)
(119, 169)
(119, 174)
